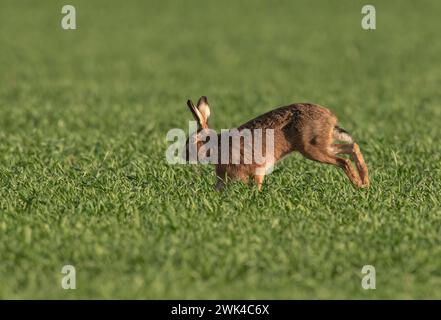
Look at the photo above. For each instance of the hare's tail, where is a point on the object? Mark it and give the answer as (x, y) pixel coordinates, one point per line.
(342, 135)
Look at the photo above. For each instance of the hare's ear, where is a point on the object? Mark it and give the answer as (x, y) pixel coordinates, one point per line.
(196, 114)
(204, 108)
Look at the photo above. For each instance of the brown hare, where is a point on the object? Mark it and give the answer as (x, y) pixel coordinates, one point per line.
(304, 127)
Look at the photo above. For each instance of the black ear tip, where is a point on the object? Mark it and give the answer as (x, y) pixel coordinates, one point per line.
(203, 99)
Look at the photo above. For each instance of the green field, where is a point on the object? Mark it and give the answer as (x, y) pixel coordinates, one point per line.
(84, 181)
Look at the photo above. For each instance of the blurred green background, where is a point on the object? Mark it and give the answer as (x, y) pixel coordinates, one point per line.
(83, 177)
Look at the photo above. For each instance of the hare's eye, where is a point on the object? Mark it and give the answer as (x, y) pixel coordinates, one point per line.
(193, 139)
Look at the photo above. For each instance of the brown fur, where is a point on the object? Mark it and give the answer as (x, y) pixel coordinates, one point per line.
(307, 128)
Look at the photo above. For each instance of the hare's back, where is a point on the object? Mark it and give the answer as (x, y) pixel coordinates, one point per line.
(294, 115)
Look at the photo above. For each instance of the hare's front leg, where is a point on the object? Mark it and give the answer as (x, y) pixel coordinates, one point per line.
(221, 177)
(258, 179)
(220, 184)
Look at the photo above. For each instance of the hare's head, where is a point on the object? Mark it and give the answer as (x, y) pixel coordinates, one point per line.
(201, 113)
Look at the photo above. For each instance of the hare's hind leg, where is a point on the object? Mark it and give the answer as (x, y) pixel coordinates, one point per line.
(319, 148)
(324, 156)
(353, 150)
